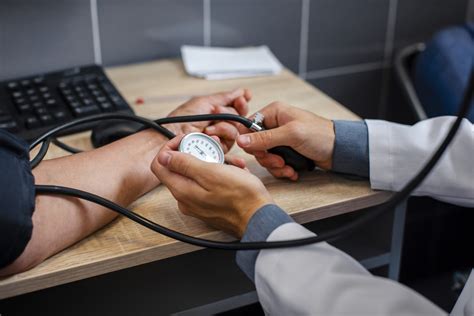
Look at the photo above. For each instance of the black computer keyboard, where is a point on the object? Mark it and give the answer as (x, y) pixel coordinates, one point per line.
(30, 106)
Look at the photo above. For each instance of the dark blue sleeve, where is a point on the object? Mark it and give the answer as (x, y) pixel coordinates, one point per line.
(17, 197)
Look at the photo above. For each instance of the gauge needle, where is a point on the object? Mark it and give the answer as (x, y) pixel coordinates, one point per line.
(202, 153)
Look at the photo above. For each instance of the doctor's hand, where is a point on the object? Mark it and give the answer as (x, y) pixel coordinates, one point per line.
(307, 133)
(232, 102)
(223, 196)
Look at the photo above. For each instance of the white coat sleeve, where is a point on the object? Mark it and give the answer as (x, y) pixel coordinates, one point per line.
(322, 280)
(397, 152)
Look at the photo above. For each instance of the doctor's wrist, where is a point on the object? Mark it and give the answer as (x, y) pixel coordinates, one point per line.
(247, 212)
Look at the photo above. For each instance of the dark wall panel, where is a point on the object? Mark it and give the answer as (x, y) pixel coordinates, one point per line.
(360, 92)
(134, 31)
(276, 23)
(343, 33)
(419, 20)
(45, 35)
(470, 13)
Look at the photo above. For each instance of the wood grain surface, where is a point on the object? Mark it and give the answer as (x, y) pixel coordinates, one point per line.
(122, 244)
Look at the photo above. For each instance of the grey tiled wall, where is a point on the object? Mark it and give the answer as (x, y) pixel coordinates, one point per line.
(43, 35)
(343, 33)
(276, 23)
(342, 46)
(138, 30)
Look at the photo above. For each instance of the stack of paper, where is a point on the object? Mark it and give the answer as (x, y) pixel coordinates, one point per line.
(214, 63)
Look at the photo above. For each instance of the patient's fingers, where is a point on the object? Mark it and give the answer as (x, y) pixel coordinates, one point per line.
(222, 130)
(268, 160)
(236, 161)
(241, 105)
(227, 110)
(285, 172)
(173, 144)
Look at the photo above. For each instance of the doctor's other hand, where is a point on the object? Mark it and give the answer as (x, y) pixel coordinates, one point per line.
(223, 196)
(232, 102)
(307, 133)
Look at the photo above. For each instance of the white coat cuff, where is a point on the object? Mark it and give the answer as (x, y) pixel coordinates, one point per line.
(380, 153)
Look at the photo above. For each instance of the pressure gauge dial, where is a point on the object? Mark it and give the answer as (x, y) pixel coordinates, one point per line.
(202, 147)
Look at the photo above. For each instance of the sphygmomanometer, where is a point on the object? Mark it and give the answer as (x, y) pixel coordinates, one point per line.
(207, 149)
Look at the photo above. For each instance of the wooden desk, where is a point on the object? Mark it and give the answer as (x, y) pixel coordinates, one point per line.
(123, 244)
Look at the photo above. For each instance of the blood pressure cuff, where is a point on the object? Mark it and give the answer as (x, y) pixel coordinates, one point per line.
(17, 197)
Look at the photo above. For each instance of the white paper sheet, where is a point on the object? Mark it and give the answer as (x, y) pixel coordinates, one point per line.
(215, 63)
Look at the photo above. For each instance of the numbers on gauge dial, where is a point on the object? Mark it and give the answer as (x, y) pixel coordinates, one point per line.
(202, 147)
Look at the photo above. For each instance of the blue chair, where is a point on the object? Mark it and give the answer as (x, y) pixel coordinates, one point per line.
(434, 76)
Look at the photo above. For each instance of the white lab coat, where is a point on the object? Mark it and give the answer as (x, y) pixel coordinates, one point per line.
(322, 280)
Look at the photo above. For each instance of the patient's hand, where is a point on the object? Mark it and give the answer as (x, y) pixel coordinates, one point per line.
(233, 102)
(223, 196)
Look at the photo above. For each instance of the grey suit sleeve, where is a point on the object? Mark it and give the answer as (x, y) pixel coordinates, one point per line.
(260, 226)
(351, 148)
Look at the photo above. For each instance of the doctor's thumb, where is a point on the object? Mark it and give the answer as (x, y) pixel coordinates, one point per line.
(181, 163)
(263, 140)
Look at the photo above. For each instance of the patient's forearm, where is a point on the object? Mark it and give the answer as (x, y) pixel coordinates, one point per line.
(119, 172)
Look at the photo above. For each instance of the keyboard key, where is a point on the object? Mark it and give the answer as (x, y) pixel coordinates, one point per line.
(118, 101)
(46, 95)
(71, 98)
(106, 106)
(77, 80)
(108, 87)
(24, 108)
(30, 91)
(43, 89)
(34, 98)
(17, 94)
(90, 78)
(19, 101)
(97, 93)
(95, 104)
(101, 99)
(66, 92)
(87, 101)
(46, 119)
(51, 102)
(12, 85)
(32, 122)
(74, 104)
(41, 111)
(38, 104)
(63, 84)
(59, 115)
(38, 80)
(86, 110)
(25, 83)
(8, 125)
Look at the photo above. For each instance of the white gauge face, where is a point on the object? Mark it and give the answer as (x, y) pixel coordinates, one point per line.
(202, 147)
